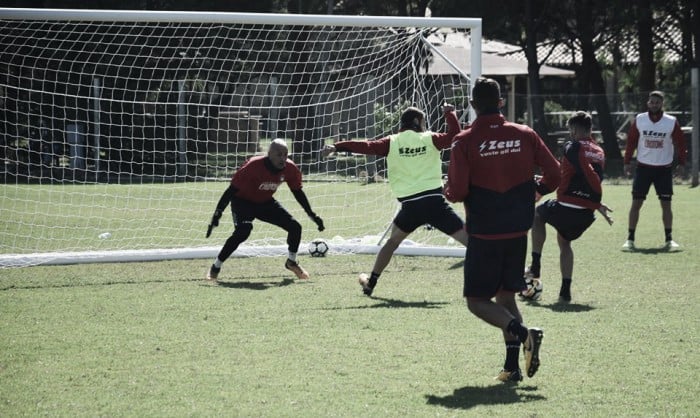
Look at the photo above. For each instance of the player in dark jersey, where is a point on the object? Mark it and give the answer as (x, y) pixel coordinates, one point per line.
(251, 196)
(415, 176)
(578, 196)
(492, 167)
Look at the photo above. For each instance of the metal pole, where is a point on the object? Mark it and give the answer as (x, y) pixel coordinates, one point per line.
(181, 131)
(96, 93)
(695, 108)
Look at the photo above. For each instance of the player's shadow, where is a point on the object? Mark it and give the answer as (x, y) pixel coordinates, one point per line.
(396, 303)
(471, 396)
(654, 250)
(457, 265)
(254, 285)
(560, 306)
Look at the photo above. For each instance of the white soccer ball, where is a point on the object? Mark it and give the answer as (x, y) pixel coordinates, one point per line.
(533, 290)
(318, 248)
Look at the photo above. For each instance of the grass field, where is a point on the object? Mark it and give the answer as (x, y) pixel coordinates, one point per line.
(153, 339)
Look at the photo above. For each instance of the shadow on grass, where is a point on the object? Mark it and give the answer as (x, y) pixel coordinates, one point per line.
(395, 303)
(471, 396)
(653, 251)
(254, 285)
(560, 306)
(457, 265)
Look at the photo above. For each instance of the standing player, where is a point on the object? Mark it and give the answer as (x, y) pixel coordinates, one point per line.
(415, 176)
(492, 166)
(250, 194)
(578, 195)
(655, 135)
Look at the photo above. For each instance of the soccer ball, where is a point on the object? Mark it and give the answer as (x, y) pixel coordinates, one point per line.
(318, 248)
(533, 290)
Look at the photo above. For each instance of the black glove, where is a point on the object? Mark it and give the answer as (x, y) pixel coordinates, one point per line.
(319, 222)
(214, 222)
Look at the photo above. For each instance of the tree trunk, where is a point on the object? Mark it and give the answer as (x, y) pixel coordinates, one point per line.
(533, 69)
(647, 66)
(593, 73)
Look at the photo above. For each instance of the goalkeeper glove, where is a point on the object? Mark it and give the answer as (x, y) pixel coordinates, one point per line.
(319, 222)
(214, 222)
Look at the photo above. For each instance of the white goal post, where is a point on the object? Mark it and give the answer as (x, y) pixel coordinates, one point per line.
(121, 129)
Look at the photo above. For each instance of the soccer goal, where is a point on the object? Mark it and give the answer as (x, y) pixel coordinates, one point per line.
(122, 128)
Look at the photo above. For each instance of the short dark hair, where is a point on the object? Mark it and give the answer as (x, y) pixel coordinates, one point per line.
(486, 93)
(657, 93)
(581, 119)
(412, 118)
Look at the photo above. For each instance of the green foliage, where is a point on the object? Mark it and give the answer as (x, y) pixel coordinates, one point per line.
(387, 120)
(152, 339)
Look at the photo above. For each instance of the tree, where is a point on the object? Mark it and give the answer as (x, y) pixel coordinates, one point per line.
(647, 66)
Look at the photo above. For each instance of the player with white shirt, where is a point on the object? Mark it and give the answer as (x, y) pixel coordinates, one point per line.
(656, 136)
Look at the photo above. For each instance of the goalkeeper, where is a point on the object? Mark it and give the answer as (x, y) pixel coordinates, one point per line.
(415, 177)
(250, 194)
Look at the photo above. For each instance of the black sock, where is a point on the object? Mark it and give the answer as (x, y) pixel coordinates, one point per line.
(517, 329)
(630, 235)
(565, 291)
(535, 266)
(512, 355)
(373, 280)
(667, 232)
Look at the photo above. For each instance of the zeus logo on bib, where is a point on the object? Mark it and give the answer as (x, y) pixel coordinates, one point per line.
(412, 151)
(499, 147)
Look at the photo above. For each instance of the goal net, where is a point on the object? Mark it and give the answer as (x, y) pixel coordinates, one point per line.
(121, 129)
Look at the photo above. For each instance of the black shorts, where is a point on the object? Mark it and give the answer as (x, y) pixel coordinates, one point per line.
(433, 210)
(491, 265)
(271, 212)
(569, 222)
(660, 177)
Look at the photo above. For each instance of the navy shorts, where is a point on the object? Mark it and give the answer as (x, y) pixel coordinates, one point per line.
(569, 222)
(492, 265)
(660, 177)
(433, 210)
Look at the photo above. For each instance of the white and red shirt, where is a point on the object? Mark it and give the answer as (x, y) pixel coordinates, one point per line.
(655, 137)
(257, 183)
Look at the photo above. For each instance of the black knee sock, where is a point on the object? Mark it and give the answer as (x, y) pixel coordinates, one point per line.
(630, 234)
(667, 233)
(535, 266)
(517, 329)
(373, 280)
(512, 355)
(565, 285)
(565, 290)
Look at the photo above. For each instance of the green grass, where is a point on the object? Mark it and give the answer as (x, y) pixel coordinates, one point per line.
(152, 339)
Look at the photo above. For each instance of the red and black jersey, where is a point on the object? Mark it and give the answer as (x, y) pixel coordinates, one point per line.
(581, 174)
(257, 180)
(492, 167)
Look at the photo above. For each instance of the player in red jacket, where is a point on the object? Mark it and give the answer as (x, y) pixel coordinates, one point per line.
(578, 196)
(492, 167)
(251, 196)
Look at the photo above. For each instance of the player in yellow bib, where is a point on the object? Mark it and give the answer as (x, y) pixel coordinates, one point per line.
(415, 176)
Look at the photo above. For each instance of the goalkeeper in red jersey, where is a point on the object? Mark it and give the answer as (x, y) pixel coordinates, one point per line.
(415, 177)
(251, 197)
